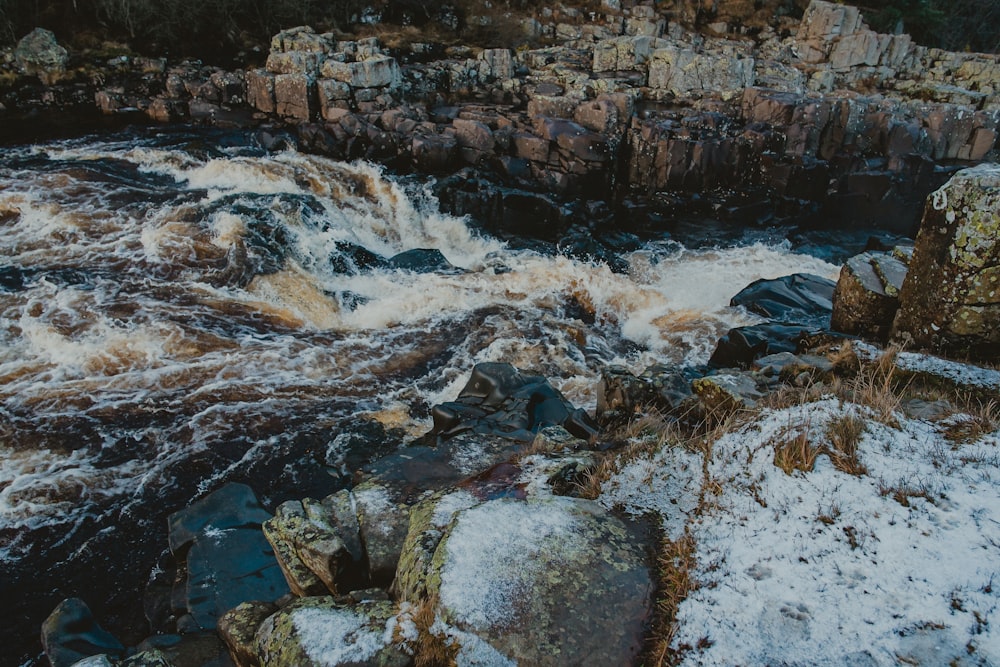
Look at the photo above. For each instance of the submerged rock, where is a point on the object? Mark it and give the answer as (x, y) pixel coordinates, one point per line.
(950, 300)
(71, 634)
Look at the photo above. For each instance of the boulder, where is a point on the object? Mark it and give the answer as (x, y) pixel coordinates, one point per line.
(950, 299)
(866, 298)
(301, 38)
(623, 54)
(39, 54)
(496, 64)
(378, 71)
(294, 62)
(800, 298)
(71, 633)
(538, 580)
(232, 506)
(475, 139)
(576, 140)
(740, 346)
(422, 260)
(434, 153)
(202, 649)
(320, 632)
(383, 518)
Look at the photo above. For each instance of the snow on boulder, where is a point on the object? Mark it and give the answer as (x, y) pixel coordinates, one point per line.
(319, 632)
(544, 581)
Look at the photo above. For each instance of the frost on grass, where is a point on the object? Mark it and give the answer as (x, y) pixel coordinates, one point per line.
(963, 375)
(493, 551)
(338, 636)
(895, 566)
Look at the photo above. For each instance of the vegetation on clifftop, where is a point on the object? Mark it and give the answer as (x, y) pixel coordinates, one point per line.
(215, 29)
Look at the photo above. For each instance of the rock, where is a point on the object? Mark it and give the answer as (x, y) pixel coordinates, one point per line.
(203, 649)
(423, 260)
(228, 567)
(260, 90)
(238, 629)
(740, 346)
(434, 153)
(620, 394)
(496, 64)
(683, 71)
(228, 559)
(71, 633)
(867, 295)
(475, 139)
(538, 579)
(301, 38)
(294, 62)
(623, 54)
(319, 632)
(726, 392)
(39, 54)
(232, 506)
(499, 400)
(950, 299)
(384, 520)
(800, 298)
(294, 95)
(377, 71)
(575, 139)
(306, 539)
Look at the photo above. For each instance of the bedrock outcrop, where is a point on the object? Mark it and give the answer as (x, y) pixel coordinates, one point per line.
(813, 119)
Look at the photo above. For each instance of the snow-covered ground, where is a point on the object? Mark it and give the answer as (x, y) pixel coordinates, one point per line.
(899, 565)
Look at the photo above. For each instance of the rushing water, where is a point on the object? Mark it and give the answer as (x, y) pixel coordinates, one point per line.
(177, 311)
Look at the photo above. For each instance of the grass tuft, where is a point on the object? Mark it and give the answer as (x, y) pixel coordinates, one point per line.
(677, 564)
(844, 433)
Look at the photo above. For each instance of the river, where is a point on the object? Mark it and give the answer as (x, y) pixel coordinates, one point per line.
(179, 309)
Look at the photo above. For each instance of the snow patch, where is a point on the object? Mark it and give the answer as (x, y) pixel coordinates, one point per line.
(333, 637)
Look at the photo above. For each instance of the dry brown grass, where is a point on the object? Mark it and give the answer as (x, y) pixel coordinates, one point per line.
(431, 650)
(796, 452)
(844, 434)
(677, 563)
(984, 418)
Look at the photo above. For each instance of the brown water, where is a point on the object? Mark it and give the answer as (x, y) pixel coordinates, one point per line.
(178, 311)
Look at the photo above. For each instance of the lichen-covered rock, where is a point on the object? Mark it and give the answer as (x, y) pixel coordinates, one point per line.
(623, 54)
(496, 64)
(205, 649)
(238, 629)
(302, 38)
(377, 71)
(723, 393)
(544, 581)
(71, 633)
(950, 300)
(867, 294)
(319, 632)
(39, 54)
(683, 71)
(384, 522)
(260, 90)
(307, 543)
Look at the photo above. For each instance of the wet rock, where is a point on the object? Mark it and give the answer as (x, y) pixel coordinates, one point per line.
(740, 346)
(434, 153)
(226, 568)
(71, 633)
(867, 294)
(238, 629)
(423, 260)
(800, 298)
(228, 560)
(620, 393)
(950, 299)
(319, 632)
(500, 400)
(39, 54)
(580, 565)
(232, 506)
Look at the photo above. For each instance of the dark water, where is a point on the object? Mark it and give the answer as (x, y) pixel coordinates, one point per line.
(179, 310)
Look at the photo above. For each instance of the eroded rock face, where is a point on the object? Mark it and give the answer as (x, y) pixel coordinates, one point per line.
(950, 300)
